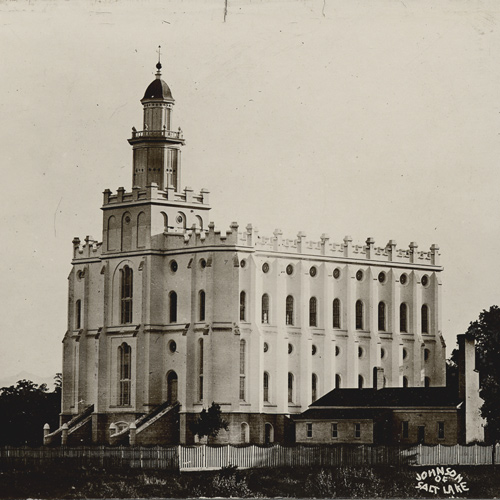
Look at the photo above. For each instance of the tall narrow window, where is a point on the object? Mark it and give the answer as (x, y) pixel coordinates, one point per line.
(425, 319)
(126, 295)
(313, 320)
(309, 430)
(335, 430)
(265, 309)
(200, 371)
(405, 429)
(359, 315)
(336, 313)
(440, 430)
(78, 314)
(338, 381)
(266, 387)
(173, 307)
(357, 430)
(202, 305)
(381, 317)
(125, 374)
(290, 387)
(427, 381)
(242, 369)
(243, 300)
(403, 318)
(289, 310)
(361, 381)
(314, 387)
(405, 381)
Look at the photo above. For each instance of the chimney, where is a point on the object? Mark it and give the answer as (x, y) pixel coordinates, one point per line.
(378, 377)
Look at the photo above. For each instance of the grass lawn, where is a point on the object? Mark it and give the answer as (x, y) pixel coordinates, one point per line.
(61, 481)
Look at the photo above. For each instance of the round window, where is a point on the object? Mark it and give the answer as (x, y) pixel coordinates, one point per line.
(337, 350)
(425, 280)
(80, 274)
(360, 352)
(405, 353)
(336, 273)
(289, 269)
(403, 279)
(381, 277)
(127, 219)
(314, 350)
(173, 266)
(243, 263)
(313, 271)
(359, 275)
(290, 348)
(179, 219)
(265, 267)
(172, 346)
(203, 263)
(266, 347)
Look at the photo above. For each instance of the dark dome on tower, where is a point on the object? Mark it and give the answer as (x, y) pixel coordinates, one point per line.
(158, 89)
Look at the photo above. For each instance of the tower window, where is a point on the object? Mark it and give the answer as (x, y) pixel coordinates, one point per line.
(200, 371)
(265, 309)
(403, 318)
(201, 299)
(78, 314)
(381, 317)
(361, 382)
(405, 381)
(312, 312)
(173, 307)
(427, 382)
(314, 387)
(126, 277)
(359, 315)
(338, 381)
(266, 387)
(290, 387)
(243, 299)
(425, 318)
(242, 369)
(125, 374)
(336, 313)
(289, 310)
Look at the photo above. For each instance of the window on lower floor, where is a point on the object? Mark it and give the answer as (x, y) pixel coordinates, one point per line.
(440, 430)
(404, 429)
(309, 430)
(125, 374)
(335, 430)
(357, 430)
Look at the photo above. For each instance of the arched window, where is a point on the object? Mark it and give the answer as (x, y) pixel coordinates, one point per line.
(361, 381)
(243, 300)
(425, 318)
(265, 309)
(381, 316)
(200, 370)
(172, 387)
(290, 387)
(338, 381)
(289, 310)
(427, 382)
(359, 315)
(313, 320)
(124, 374)
(268, 433)
(126, 231)
(112, 227)
(173, 307)
(314, 387)
(266, 387)
(201, 301)
(78, 314)
(126, 292)
(405, 381)
(336, 313)
(141, 230)
(245, 433)
(242, 369)
(403, 318)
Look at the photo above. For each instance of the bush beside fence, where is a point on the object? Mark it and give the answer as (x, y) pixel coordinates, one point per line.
(216, 457)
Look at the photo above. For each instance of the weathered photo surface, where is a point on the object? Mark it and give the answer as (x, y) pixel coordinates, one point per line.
(249, 248)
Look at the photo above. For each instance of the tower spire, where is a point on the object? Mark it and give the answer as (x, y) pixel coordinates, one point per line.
(158, 65)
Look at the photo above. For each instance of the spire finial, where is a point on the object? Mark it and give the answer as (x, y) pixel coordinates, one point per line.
(158, 66)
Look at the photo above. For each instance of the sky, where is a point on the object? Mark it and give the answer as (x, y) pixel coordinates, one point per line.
(371, 119)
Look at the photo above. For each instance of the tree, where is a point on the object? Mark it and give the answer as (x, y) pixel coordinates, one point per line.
(24, 409)
(486, 333)
(209, 423)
